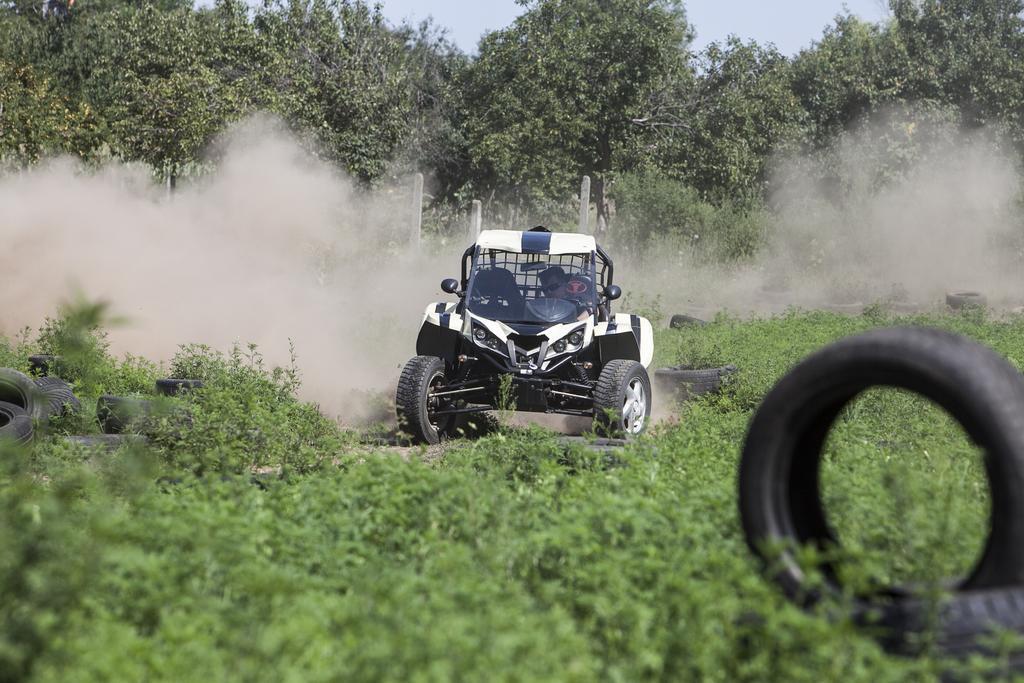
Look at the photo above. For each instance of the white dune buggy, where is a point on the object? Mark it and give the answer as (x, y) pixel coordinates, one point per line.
(534, 308)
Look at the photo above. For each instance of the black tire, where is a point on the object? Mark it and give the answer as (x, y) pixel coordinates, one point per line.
(15, 423)
(172, 387)
(119, 414)
(960, 624)
(961, 300)
(680, 321)
(780, 501)
(43, 364)
(419, 376)
(19, 389)
(610, 393)
(685, 383)
(62, 401)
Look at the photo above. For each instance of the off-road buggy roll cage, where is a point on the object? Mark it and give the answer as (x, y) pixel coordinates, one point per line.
(533, 325)
(604, 268)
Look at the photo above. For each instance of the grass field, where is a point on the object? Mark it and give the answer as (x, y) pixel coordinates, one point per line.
(506, 558)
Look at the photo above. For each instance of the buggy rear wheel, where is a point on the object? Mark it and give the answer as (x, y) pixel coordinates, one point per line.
(622, 399)
(416, 404)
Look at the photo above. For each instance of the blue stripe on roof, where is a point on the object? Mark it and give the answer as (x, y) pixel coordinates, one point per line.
(536, 242)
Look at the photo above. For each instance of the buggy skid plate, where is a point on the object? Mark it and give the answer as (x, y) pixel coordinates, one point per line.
(529, 394)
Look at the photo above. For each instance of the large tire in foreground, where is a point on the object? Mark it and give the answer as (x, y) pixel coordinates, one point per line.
(15, 423)
(19, 389)
(62, 401)
(780, 501)
(420, 376)
(622, 399)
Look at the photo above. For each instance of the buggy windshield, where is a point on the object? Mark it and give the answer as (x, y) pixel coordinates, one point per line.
(532, 288)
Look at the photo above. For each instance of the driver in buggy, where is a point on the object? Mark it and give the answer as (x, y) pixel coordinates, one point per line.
(556, 284)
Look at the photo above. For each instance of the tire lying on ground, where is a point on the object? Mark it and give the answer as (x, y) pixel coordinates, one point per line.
(62, 401)
(957, 623)
(19, 389)
(679, 321)
(780, 499)
(961, 300)
(119, 414)
(683, 382)
(15, 423)
(172, 386)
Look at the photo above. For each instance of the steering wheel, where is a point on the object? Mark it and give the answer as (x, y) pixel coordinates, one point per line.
(575, 290)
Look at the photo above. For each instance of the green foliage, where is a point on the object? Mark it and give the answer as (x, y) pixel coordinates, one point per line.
(507, 558)
(48, 561)
(245, 418)
(36, 120)
(843, 77)
(77, 336)
(340, 75)
(572, 87)
(656, 212)
(553, 96)
(172, 79)
(721, 129)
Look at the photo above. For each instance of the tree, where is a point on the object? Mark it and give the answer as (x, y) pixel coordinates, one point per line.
(36, 121)
(720, 129)
(172, 80)
(845, 76)
(555, 95)
(341, 75)
(434, 141)
(969, 53)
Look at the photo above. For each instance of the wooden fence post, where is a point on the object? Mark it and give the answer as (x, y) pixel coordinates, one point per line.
(476, 218)
(585, 206)
(417, 211)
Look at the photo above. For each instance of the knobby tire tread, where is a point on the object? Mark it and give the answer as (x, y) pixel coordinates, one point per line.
(410, 404)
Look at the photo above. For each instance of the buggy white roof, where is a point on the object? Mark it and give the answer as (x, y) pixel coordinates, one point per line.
(530, 242)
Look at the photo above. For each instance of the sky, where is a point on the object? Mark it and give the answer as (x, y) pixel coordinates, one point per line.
(790, 24)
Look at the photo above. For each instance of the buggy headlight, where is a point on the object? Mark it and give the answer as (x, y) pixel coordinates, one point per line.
(570, 342)
(483, 337)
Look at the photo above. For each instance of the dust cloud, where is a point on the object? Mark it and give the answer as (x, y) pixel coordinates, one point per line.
(275, 246)
(898, 212)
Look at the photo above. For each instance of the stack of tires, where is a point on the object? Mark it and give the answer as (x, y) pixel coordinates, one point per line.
(781, 502)
(26, 402)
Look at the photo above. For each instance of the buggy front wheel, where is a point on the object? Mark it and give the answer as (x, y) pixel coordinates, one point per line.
(622, 399)
(416, 403)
